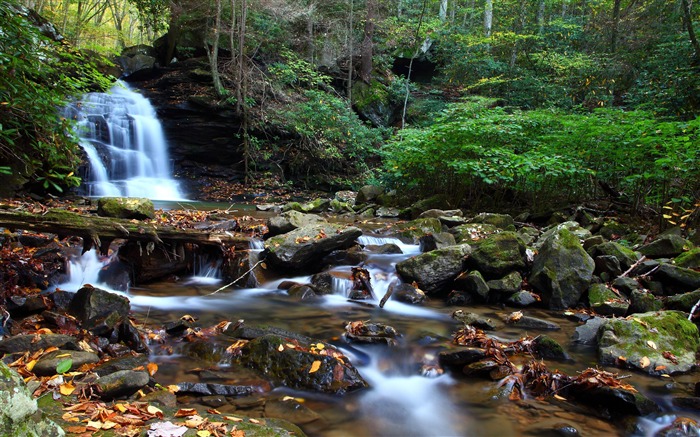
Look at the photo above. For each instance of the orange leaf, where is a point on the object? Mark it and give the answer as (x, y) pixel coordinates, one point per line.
(315, 366)
(67, 389)
(152, 368)
(185, 412)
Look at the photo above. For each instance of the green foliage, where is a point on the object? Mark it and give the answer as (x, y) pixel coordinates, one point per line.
(332, 140)
(64, 365)
(296, 72)
(41, 76)
(545, 156)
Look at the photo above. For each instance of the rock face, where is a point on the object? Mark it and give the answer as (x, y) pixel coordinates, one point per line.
(562, 270)
(657, 343)
(98, 309)
(299, 367)
(498, 254)
(434, 270)
(19, 414)
(299, 249)
(125, 207)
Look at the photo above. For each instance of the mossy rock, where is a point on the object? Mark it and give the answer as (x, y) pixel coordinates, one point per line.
(665, 246)
(501, 221)
(498, 254)
(438, 201)
(605, 302)
(613, 230)
(625, 255)
(683, 302)
(415, 229)
(373, 102)
(663, 342)
(472, 232)
(314, 206)
(571, 226)
(689, 259)
(644, 302)
(126, 207)
(434, 271)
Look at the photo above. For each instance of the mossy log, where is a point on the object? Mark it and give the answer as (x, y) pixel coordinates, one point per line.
(99, 232)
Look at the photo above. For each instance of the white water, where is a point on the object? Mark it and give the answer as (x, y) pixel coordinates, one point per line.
(86, 270)
(126, 146)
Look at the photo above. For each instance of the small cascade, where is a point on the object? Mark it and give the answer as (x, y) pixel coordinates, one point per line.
(206, 271)
(407, 249)
(90, 268)
(256, 244)
(125, 144)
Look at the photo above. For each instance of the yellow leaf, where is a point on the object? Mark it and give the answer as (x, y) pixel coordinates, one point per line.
(315, 366)
(280, 348)
(62, 356)
(120, 407)
(93, 424)
(153, 410)
(203, 433)
(31, 364)
(320, 346)
(561, 398)
(108, 425)
(256, 421)
(173, 388)
(233, 418)
(644, 362)
(66, 389)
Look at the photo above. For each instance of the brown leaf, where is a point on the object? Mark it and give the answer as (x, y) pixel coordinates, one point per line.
(185, 412)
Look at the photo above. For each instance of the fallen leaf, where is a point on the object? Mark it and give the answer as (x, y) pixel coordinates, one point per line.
(651, 344)
(560, 398)
(315, 366)
(185, 412)
(154, 410)
(255, 421)
(203, 433)
(152, 368)
(280, 348)
(233, 418)
(66, 389)
(644, 362)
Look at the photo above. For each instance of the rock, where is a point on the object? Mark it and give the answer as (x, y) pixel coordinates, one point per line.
(521, 299)
(373, 101)
(368, 193)
(304, 247)
(546, 347)
(137, 62)
(689, 259)
(461, 357)
(473, 283)
(605, 302)
(46, 365)
(315, 206)
(131, 337)
(474, 320)
(129, 362)
(352, 257)
(160, 397)
(528, 234)
(657, 343)
(415, 229)
(573, 227)
(202, 389)
(290, 220)
(613, 230)
(438, 201)
(644, 302)
(528, 322)
(626, 285)
(19, 413)
(22, 306)
(292, 367)
(434, 271)
(237, 267)
(271, 207)
(626, 256)
(345, 196)
(507, 285)
(436, 241)
(683, 302)
(498, 254)
(125, 207)
(148, 264)
(387, 212)
(35, 342)
(665, 246)
(121, 383)
(616, 402)
(407, 293)
(562, 270)
(302, 292)
(322, 283)
(291, 410)
(471, 232)
(588, 332)
(677, 279)
(373, 333)
(98, 310)
(501, 221)
(607, 265)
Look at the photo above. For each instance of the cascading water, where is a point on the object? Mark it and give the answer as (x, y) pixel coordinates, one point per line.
(125, 144)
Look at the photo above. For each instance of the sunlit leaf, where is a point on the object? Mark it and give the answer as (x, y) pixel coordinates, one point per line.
(315, 366)
(644, 362)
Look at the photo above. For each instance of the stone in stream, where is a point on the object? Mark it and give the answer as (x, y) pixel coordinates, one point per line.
(434, 271)
(519, 320)
(125, 208)
(365, 332)
(662, 342)
(303, 248)
(205, 389)
(19, 413)
(129, 362)
(587, 333)
(291, 410)
(98, 310)
(522, 299)
(546, 347)
(460, 357)
(121, 383)
(34, 342)
(498, 255)
(562, 270)
(474, 319)
(407, 293)
(473, 283)
(418, 228)
(290, 220)
(46, 365)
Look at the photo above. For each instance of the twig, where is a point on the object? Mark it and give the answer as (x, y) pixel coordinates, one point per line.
(627, 272)
(237, 279)
(387, 295)
(692, 310)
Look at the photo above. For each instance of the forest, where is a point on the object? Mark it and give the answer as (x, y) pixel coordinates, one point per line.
(513, 102)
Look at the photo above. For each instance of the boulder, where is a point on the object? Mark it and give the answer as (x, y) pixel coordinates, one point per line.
(301, 248)
(625, 256)
(98, 310)
(605, 302)
(522, 299)
(665, 246)
(204, 389)
(529, 322)
(474, 320)
(498, 254)
(316, 366)
(129, 362)
(407, 293)
(471, 232)
(689, 259)
(473, 283)
(434, 271)
(314, 206)
(573, 227)
(461, 357)
(436, 241)
(657, 343)
(676, 279)
(562, 270)
(587, 333)
(290, 220)
(644, 302)
(368, 193)
(683, 302)
(501, 221)
(125, 208)
(438, 201)
(19, 413)
(548, 348)
(46, 365)
(121, 383)
(507, 285)
(35, 342)
(415, 229)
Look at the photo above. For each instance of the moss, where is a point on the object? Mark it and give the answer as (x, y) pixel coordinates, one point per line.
(670, 325)
(683, 302)
(689, 259)
(599, 293)
(364, 95)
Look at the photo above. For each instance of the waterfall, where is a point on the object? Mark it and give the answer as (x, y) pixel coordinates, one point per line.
(125, 145)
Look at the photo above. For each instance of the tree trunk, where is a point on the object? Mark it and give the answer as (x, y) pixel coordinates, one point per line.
(213, 53)
(488, 18)
(350, 50)
(367, 45)
(540, 16)
(443, 10)
(615, 25)
(688, 20)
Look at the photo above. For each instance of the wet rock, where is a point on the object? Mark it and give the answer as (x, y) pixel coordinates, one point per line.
(644, 302)
(98, 310)
(322, 283)
(125, 207)
(368, 193)
(528, 322)
(522, 299)
(498, 254)
(46, 365)
(137, 62)
(473, 283)
(461, 357)
(291, 410)
(290, 220)
(21, 306)
(160, 397)
(291, 366)
(303, 248)
(179, 326)
(475, 320)
(689, 259)
(35, 342)
(665, 246)
(148, 264)
(587, 333)
(507, 285)
(562, 270)
(471, 232)
(418, 228)
(436, 241)
(315, 206)
(19, 414)
(365, 332)
(677, 279)
(271, 207)
(121, 383)
(434, 271)
(662, 342)
(487, 367)
(130, 336)
(302, 292)
(202, 389)
(616, 402)
(129, 362)
(605, 302)
(242, 266)
(683, 302)
(501, 221)
(407, 293)
(546, 347)
(351, 257)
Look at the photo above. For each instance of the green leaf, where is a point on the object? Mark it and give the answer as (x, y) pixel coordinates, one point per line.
(64, 366)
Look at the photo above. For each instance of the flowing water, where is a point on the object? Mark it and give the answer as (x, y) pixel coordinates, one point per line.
(402, 400)
(125, 145)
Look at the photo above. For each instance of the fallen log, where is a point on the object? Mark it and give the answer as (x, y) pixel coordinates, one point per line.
(99, 232)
